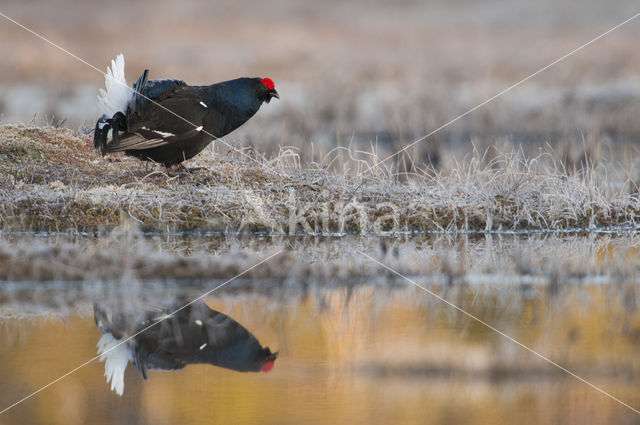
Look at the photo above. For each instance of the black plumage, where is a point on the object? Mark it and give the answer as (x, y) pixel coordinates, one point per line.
(195, 334)
(169, 121)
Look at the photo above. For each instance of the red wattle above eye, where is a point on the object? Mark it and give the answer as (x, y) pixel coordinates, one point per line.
(267, 366)
(269, 83)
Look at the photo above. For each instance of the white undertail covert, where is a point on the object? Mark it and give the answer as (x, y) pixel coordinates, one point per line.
(116, 360)
(118, 93)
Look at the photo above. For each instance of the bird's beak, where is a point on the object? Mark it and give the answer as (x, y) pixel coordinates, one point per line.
(274, 93)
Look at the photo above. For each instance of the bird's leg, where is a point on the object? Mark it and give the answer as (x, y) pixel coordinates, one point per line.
(122, 121)
(115, 136)
(118, 123)
(103, 137)
(181, 170)
(194, 169)
(97, 134)
(175, 169)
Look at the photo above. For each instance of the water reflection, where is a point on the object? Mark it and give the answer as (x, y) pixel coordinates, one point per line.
(366, 356)
(173, 337)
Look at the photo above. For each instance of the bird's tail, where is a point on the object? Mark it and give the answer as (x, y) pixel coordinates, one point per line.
(116, 358)
(115, 354)
(138, 89)
(117, 94)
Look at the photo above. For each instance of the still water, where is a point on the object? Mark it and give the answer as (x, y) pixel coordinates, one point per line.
(365, 356)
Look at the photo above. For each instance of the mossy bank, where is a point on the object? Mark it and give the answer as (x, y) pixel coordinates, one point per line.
(51, 179)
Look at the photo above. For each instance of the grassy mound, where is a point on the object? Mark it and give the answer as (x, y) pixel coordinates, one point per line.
(51, 179)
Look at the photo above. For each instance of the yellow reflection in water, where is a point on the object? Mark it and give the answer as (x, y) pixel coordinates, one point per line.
(371, 357)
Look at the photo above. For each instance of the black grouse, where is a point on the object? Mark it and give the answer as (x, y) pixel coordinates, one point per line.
(168, 121)
(195, 334)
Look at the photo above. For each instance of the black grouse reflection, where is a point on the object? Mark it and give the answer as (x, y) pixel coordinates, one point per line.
(195, 334)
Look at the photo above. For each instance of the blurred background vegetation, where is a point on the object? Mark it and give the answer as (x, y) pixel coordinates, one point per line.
(374, 75)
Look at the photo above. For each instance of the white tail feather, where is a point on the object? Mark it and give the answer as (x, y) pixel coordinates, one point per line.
(117, 94)
(116, 361)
